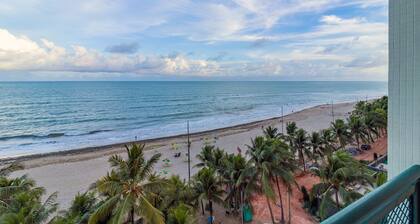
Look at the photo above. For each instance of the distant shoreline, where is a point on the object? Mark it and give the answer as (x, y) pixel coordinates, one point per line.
(69, 172)
(86, 153)
(193, 135)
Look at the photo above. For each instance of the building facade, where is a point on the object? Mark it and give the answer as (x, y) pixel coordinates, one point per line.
(404, 85)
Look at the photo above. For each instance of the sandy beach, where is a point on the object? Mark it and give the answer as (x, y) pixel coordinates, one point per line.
(73, 171)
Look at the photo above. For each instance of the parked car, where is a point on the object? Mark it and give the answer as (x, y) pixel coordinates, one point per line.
(365, 147)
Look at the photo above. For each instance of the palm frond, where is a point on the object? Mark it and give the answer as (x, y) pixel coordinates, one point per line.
(104, 210)
(149, 212)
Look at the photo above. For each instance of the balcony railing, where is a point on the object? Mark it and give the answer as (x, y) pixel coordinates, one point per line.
(397, 201)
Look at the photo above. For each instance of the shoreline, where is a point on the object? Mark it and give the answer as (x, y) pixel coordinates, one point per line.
(70, 172)
(152, 143)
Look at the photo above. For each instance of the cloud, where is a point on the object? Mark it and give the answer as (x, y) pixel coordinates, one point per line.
(234, 20)
(350, 48)
(22, 53)
(260, 37)
(247, 20)
(337, 47)
(125, 48)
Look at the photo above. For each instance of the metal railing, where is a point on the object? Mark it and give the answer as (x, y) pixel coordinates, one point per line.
(397, 201)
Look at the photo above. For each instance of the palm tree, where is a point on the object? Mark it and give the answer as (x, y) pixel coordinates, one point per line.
(175, 192)
(381, 120)
(357, 129)
(315, 142)
(360, 109)
(25, 206)
(259, 170)
(211, 156)
(300, 144)
(127, 188)
(182, 214)
(271, 132)
(9, 186)
(208, 187)
(233, 167)
(339, 171)
(327, 141)
(21, 200)
(82, 205)
(375, 121)
(291, 129)
(283, 168)
(371, 126)
(340, 132)
(205, 156)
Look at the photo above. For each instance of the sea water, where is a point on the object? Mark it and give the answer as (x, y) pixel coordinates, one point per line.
(40, 117)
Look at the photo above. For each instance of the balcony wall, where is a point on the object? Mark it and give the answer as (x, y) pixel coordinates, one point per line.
(404, 85)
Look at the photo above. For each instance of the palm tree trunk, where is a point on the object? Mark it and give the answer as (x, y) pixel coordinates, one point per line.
(342, 143)
(281, 200)
(269, 208)
(232, 199)
(132, 215)
(336, 199)
(303, 160)
(288, 197)
(314, 152)
(358, 142)
(202, 207)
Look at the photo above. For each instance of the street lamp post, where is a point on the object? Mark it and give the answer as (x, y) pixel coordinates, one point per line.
(189, 153)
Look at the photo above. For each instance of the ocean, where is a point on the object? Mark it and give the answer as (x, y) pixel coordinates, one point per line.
(40, 117)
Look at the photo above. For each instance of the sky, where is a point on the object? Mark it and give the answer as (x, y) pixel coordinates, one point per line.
(193, 40)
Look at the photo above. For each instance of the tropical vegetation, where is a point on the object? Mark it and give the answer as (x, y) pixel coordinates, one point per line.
(132, 192)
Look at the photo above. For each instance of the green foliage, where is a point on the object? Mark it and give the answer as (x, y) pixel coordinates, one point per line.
(269, 160)
(82, 205)
(374, 115)
(301, 145)
(341, 132)
(271, 132)
(208, 186)
(338, 174)
(381, 178)
(357, 129)
(21, 201)
(291, 129)
(211, 156)
(132, 192)
(127, 189)
(182, 214)
(174, 193)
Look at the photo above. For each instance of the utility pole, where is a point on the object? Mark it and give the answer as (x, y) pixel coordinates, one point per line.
(189, 153)
(282, 121)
